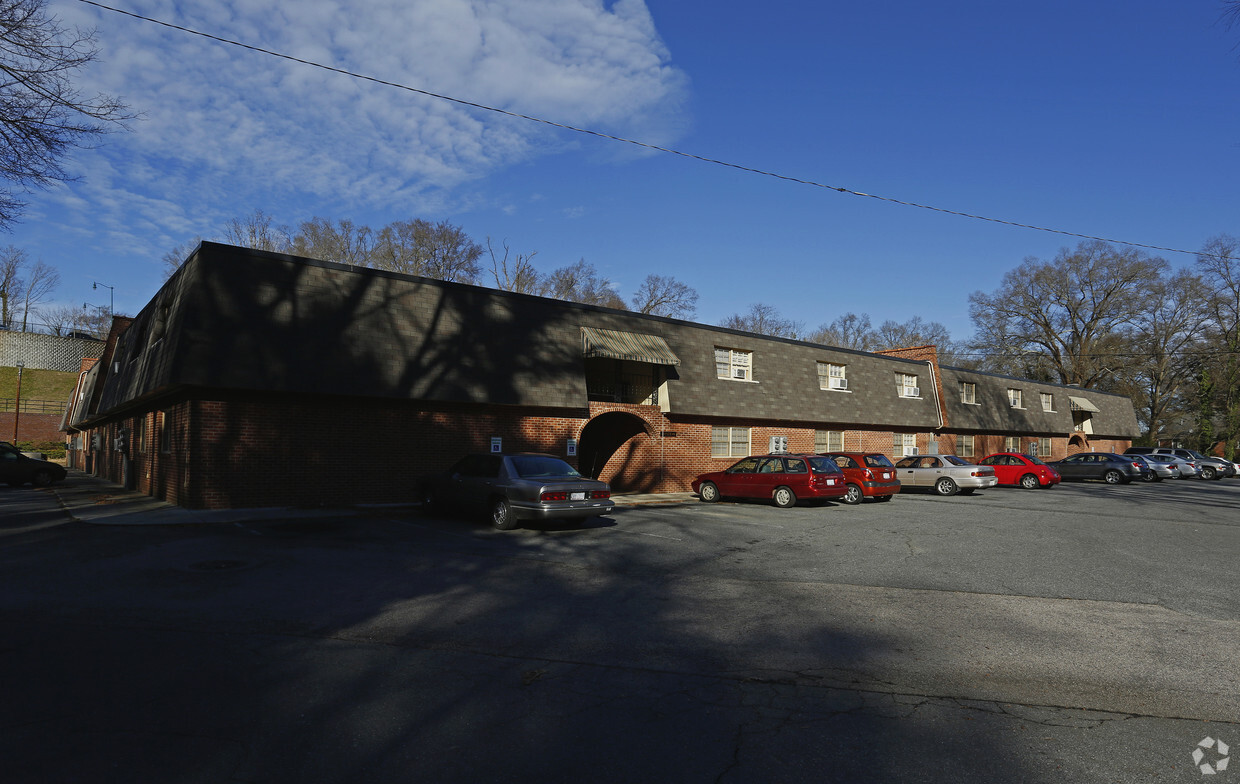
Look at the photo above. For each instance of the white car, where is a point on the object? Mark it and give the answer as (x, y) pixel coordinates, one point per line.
(946, 474)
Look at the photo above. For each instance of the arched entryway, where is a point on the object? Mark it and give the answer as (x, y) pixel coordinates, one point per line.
(614, 447)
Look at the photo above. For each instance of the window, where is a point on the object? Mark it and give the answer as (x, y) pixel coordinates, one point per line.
(140, 427)
(1011, 444)
(906, 383)
(1015, 398)
(729, 441)
(968, 392)
(1048, 402)
(965, 445)
(832, 376)
(903, 444)
(828, 441)
(1044, 447)
(733, 364)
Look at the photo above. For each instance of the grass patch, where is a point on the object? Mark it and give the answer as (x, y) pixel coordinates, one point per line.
(37, 384)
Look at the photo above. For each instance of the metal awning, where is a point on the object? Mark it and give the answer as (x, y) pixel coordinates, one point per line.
(632, 346)
(1081, 404)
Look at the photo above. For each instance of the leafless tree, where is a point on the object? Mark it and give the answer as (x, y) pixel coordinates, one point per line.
(41, 281)
(764, 320)
(519, 275)
(1219, 370)
(12, 260)
(581, 282)
(665, 296)
(61, 320)
(257, 231)
(173, 259)
(847, 331)
(342, 241)
(1074, 313)
(42, 115)
(434, 250)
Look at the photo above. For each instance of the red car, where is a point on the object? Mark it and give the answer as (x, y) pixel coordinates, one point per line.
(1025, 471)
(781, 478)
(869, 475)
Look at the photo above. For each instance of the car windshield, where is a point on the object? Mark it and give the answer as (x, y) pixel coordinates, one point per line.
(956, 460)
(533, 466)
(878, 461)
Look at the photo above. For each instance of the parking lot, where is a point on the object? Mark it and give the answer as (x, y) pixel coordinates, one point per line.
(1082, 633)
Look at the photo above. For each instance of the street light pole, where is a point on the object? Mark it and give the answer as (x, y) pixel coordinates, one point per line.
(111, 298)
(17, 409)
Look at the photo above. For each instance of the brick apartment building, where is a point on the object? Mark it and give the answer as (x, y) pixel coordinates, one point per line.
(260, 379)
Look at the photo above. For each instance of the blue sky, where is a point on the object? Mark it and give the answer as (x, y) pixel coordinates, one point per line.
(1114, 118)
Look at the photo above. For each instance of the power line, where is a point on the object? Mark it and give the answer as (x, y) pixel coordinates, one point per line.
(646, 145)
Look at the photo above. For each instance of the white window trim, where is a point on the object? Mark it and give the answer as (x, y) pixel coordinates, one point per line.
(1020, 405)
(1050, 410)
(905, 386)
(732, 366)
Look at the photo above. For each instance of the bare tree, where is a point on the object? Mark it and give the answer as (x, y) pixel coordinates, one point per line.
(417, 247)
(62, 320)
(665, 296)
(1219, 375)
(847, 331)
(42, 115)
(173, 259)
(258, 232)
(519, 275)
(580, 282)
(12, 260)
(1074, 312)
(764, 320)
(342, 242)
(41, 281)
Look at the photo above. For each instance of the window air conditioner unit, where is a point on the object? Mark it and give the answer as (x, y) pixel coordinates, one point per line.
(913, 391)
(839, 383)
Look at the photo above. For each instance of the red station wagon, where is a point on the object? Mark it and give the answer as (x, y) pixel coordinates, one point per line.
(1013, 468)
(869, 475)
(781, 478)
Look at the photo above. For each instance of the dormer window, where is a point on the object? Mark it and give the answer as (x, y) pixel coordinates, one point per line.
(734, 364)
(832, 376)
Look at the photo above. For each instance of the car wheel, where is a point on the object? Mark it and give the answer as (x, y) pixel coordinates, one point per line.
(1029, 482)
(708, 492)
(1208, 472)
(502, 518)
(853, 496)
(1112, 477)
(41, 478)
(784, 497)
(945, 486)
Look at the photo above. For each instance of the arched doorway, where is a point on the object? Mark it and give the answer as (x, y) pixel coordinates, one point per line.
(620, 435)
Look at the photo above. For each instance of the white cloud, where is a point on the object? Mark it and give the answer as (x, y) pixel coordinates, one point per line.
(225, 125)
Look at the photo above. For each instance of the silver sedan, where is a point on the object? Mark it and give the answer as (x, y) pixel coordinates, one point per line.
(946, 474)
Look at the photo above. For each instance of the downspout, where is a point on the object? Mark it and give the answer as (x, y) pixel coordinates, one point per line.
(938, 404)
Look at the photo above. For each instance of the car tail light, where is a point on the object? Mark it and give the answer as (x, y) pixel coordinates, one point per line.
(557, 496)
(601, 494)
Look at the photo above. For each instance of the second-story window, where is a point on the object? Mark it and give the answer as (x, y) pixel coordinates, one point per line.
(968, 392)
(734, 364)
(1048, 402)
(906, 383)
(832, 376)
(1015, 398)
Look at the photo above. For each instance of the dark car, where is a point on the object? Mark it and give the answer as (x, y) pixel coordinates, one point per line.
(510, 487)
(869, 475)
(781, 478)
(1207, 467)
(1018, 470)
(18, 469)
(1107, 466)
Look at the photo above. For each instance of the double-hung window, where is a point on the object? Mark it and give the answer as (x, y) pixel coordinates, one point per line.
(906, 383)
(1011, 444)
(903, 444)
(733, 364)
(828, 441)
(965, 445)
(832, 376)
(1015, 398)
(729, 441)
(1048, 402)
(968, 392)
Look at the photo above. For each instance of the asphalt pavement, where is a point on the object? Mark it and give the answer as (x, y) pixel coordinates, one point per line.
(925, 640)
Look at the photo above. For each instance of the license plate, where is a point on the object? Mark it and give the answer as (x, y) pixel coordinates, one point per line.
(886, 475)
(576, 496)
